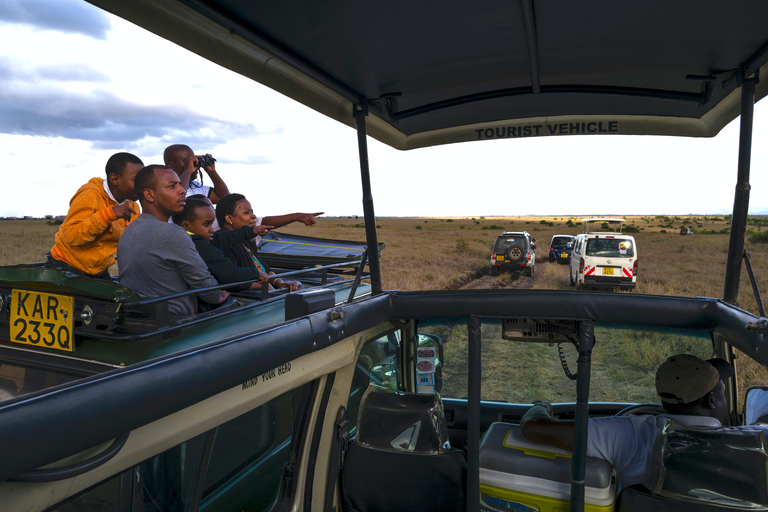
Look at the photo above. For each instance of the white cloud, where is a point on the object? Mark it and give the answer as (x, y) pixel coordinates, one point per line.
(73, 96)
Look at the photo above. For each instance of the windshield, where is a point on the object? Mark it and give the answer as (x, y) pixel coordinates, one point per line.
(610, 247)
(562, 240)
(624, 362)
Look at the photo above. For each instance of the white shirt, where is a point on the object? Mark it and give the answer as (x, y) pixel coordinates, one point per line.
(195, 187)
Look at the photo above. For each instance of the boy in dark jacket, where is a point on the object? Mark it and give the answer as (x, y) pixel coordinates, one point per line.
(197, 219)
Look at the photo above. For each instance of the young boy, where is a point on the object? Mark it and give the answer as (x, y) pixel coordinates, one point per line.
(197, 218)
(98, 214)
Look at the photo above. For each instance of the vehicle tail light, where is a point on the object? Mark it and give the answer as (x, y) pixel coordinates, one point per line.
(528, 256)
(581, 265)
(634, 269)
(493, 257)
(551, 249)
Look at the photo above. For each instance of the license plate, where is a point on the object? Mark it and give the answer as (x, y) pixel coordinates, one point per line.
(564, 255)
(499, 258)
(42, 319)
(608, 271)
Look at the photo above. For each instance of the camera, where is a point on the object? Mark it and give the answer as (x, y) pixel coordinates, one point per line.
(205, 161)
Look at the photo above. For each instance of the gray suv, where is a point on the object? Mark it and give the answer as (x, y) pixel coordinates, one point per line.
(514, 251)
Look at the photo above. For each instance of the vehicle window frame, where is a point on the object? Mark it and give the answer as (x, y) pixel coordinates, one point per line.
(300, 414)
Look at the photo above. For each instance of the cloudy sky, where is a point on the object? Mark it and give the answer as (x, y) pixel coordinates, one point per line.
(79, 84)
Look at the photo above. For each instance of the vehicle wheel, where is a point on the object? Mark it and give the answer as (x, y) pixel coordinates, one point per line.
(570, 277)
(515, 252)
(529, 271)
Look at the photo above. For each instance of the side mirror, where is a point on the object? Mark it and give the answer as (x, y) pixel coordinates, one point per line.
(569, 245)
(756, 405)
(384, 375)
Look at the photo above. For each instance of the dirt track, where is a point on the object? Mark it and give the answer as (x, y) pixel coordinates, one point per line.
(484, 280)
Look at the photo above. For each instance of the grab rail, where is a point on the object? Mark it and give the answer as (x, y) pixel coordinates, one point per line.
(73, 470)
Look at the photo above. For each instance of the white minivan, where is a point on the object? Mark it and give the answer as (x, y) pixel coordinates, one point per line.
(603, 259)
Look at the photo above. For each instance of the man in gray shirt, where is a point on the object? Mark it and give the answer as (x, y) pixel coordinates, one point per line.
(158, 258)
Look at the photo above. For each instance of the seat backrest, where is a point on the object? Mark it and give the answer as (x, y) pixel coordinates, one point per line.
(723, 467)
(401, 458)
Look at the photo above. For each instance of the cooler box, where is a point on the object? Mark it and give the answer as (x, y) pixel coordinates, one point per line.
(516, 474)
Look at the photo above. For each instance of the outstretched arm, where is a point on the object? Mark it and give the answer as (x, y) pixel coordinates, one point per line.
(281, 220)
(538, 425)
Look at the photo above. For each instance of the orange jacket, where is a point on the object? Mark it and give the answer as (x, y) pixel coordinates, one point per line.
(87, 240)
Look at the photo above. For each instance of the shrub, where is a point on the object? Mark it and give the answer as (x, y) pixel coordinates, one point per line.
(759, 238)
(418, 227)
(631, 229)
(461, 246)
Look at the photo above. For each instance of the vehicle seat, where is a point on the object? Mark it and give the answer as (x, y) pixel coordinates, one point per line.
(693, 468)
(401, 458)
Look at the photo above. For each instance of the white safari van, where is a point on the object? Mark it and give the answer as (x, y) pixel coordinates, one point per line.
(603, 259)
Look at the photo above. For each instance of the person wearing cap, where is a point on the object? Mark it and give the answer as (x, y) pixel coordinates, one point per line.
(692, 392)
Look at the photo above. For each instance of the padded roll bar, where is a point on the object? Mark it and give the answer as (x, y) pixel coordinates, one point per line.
(361, 112)
(741, 198)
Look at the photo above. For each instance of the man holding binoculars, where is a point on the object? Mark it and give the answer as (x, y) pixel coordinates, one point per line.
(182, 159)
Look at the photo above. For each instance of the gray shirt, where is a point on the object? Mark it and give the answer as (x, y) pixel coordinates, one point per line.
(157, 258)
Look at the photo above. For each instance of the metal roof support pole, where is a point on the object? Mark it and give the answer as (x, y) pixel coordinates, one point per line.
(579, 461)
(361, 112)
(741, 199)
(473, 413)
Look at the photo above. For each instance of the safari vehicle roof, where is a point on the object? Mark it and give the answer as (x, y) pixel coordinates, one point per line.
(441, 72)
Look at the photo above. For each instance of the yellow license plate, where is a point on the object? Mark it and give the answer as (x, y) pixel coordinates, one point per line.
(42, 319)
(499, 258)
(564, 255)
(608, 271)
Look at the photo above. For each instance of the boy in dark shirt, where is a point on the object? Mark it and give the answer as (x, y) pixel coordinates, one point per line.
(197, 219)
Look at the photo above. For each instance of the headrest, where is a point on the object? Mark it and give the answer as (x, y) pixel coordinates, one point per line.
(402, 422)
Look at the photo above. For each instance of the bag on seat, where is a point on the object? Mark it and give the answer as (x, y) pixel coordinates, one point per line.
(401, 459)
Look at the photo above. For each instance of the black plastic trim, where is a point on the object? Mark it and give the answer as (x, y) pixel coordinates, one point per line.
(315, 446)
(73, 470)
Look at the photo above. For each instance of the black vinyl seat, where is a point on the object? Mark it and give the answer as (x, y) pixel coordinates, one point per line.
(694, 468)
(401, 459)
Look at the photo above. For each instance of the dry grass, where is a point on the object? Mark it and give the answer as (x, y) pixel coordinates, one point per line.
(25, 241)
(439, 253)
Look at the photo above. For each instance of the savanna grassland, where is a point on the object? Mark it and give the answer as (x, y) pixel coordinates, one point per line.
(452, 253)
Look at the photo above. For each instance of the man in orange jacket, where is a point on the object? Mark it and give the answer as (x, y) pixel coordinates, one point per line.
(98, 214)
